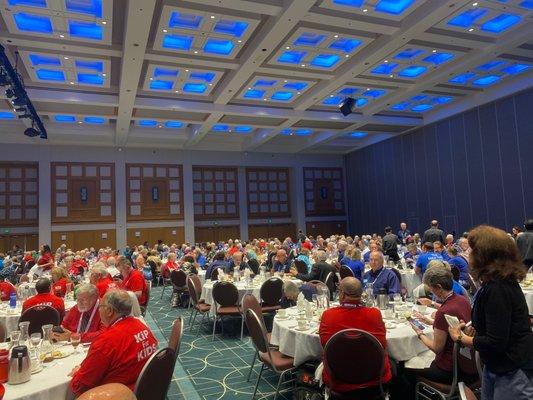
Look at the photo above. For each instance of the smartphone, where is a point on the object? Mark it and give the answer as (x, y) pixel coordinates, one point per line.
(418, 324)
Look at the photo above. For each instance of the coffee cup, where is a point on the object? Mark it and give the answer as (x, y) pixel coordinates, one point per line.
(302, 324)
(282, 312)
(421, 308)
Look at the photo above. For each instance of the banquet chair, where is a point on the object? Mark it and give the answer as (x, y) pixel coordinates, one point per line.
(155, 377)
(225, 299)
(301, 267)
(467, 365)
(403, 289)
(156, 272)
(176, 334)
(465, 393)
(3, 332)
(39, 316)
(254, 266)
(135, 307)
(354, 356)
(24, 278)
(270, 358)
(345, 272)
(214, 274)
(270, 294)
(179, 283)
(199, 306)
(148, 291)
(330, 282)
(166, 282)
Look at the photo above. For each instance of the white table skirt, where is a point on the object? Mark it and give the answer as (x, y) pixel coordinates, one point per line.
(52, 383)
(528, 293)
(402, 343)
(201, 275)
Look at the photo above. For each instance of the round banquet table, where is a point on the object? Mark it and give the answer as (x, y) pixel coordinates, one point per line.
(255, 288)
(402, 343)
(528, 294)
(52, 383)
(201, 275)
(10, 317)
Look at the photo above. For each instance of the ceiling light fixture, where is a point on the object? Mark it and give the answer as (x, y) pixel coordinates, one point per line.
(165, 30)
(365, 10)
(474, 4)
(61, 36)
(471, 29)
(104, 22)
(66, 58)
(212, 17)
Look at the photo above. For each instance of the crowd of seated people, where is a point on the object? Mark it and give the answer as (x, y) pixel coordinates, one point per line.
(446, 265)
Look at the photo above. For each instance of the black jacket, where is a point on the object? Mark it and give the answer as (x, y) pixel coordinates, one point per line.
(433, 235)
(320, 271)
(390, 241)
(524, 241)
(503, 335)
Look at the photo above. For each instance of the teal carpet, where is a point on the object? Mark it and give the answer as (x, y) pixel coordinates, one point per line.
(208, 369)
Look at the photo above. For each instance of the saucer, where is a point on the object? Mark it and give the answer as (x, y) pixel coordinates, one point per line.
(37, 370)
(306, 328)
(282, 318)
(390, 325)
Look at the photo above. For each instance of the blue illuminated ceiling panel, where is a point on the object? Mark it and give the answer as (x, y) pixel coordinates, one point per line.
(275, 89)
(421, 103)
(363, 95)
(296, 132)
(317, 49)
(66, 69)
(79, 119)
(180, 80)
(487, 18)
(393, 9)
(490, 73)
(64, 20)
(160, 124)
(201, 33)
(238, 129)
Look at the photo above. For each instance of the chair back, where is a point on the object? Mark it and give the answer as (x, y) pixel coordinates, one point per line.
(354, 356)
(174, 340)
(455, 272)
(193, 294)
(197, 284)
(135, 307)
(330, 280)
(225, 294)
(254, 266)
(178, 278)
(403, 289)
(257, 332)
(474, 285)
(39, 316)
(466, 359)
(249, 302)
(345, 272)
(271, 291)
(155, 377)
(465, 393)
(300, 266)
(214, 274)
(3, 332)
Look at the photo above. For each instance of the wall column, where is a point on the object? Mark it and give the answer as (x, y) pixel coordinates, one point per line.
(243, 203)
(298, 198)
(121, 200)
(45, 201)
(188, 200)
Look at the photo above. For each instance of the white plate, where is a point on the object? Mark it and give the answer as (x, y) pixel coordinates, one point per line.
(302, 329)
(283, 318)
(37, 370)
(390, 325)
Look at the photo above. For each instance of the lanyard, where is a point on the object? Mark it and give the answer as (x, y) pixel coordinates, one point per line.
(376, 278)
(351, 305)
(90, 319)
(120, 319)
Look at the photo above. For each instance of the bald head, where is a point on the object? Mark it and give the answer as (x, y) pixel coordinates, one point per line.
(350, 289)
(110, 391)
(281, 256)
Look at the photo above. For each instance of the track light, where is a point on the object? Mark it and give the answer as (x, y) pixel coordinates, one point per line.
(19, 101)
(4, 80)
(26, 115)
(10, 93)
(31, 132)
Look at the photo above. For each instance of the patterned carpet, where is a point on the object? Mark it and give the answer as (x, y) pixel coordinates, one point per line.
(208, 369)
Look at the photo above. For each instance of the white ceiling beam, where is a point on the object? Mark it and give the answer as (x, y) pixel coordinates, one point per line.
(59, 96)
(441, 75)
(412, 27)
(197, 62)
(351, 23)
(139, 15)
(203, 130)
(318, 75)
(255, 7)
(265, 135)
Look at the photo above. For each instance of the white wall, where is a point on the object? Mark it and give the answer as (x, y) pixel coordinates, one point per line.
(45, 154)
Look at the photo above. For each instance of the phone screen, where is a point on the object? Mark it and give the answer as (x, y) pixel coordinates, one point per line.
(418, 324)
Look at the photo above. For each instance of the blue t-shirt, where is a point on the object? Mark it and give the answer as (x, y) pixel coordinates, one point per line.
(383, 278)
(366, 257)
(424, 259)
(462, 264)
(356, 266)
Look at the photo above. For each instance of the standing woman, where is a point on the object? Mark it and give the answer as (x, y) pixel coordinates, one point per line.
(46, 259)
(500, 317)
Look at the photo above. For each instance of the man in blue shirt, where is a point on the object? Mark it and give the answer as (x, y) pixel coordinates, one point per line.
(281, 262)
(424, 259)
(438, 247)
(459, 262)
(403, 233)
(381, 277)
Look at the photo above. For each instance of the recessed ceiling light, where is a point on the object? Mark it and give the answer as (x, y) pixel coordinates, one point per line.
(330, 95)
(72, 83)
(299, 93)
(104, 74)
(165, 30)
(471, 29)
(347, 55)
(151, 79)
(434, 50)
(285, 81)
(336, 36)
(474, 4)
(264, 99)
(104, 22)
(61, 36)
(239, 41)
(177, 91)
(303, 65)
(386, 61)
(365, 9)
(288, 47)
(195, 51)
(210, 84)
(186, 70)
(80, 122)
(160, 126)
(391, 76)
(212, 17)
(66, 58)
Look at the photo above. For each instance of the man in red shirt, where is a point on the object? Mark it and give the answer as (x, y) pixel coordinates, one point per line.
(45, 298)
(120, 352)
(133, 280)
(352, 314)
(6, 288)
(84, 317)
(101, 279)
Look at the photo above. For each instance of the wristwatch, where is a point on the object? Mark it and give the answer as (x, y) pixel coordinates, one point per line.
(420, 334)
(460, 337)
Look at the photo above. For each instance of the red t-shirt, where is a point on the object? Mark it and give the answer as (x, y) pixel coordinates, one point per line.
(459, 307)
(135, 282)
(72, 321)
(307, 245)
(106, 284)
(45, 259)
(45, 299)
(359, 317)
(77, 267)
(117, 355)
(60, 287)
(168, 267)
(6, 288)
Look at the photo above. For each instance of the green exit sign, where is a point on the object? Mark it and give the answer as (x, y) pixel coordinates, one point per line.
(7, 230)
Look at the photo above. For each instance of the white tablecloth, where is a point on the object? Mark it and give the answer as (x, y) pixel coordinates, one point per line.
(11, 319)
(201, 275)
(402, 343)
(528, 293)
(52, 383)
(410, 280)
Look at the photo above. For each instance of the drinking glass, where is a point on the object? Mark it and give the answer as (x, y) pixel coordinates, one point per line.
(35, 341)
(397, 298)
(15, 337)
(75, 340)
(314, 297)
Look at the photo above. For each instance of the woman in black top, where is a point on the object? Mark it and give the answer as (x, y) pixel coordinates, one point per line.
(500, 317)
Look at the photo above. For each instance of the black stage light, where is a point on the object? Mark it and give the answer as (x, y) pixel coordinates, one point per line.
(4, 80)
(347, 106)
(10, 93)
(31, 132)
(19, 101)
(26, 115)
(20, 109)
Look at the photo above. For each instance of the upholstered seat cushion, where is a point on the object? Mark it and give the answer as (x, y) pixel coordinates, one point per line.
(203, 307)
(228, 310)
(266, 309)
(279, 361)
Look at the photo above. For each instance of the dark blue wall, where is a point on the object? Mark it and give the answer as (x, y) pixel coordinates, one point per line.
(475, 167)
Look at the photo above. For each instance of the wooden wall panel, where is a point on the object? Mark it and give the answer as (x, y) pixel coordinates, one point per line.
(82, 192)
(324, 191)
(19, 187)
(26, 241)
(326, 228)
(77, 240)
(268, 192)
(154, 192)
(216, 233)
(280, 231)
(215, 193)
(169, 235)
